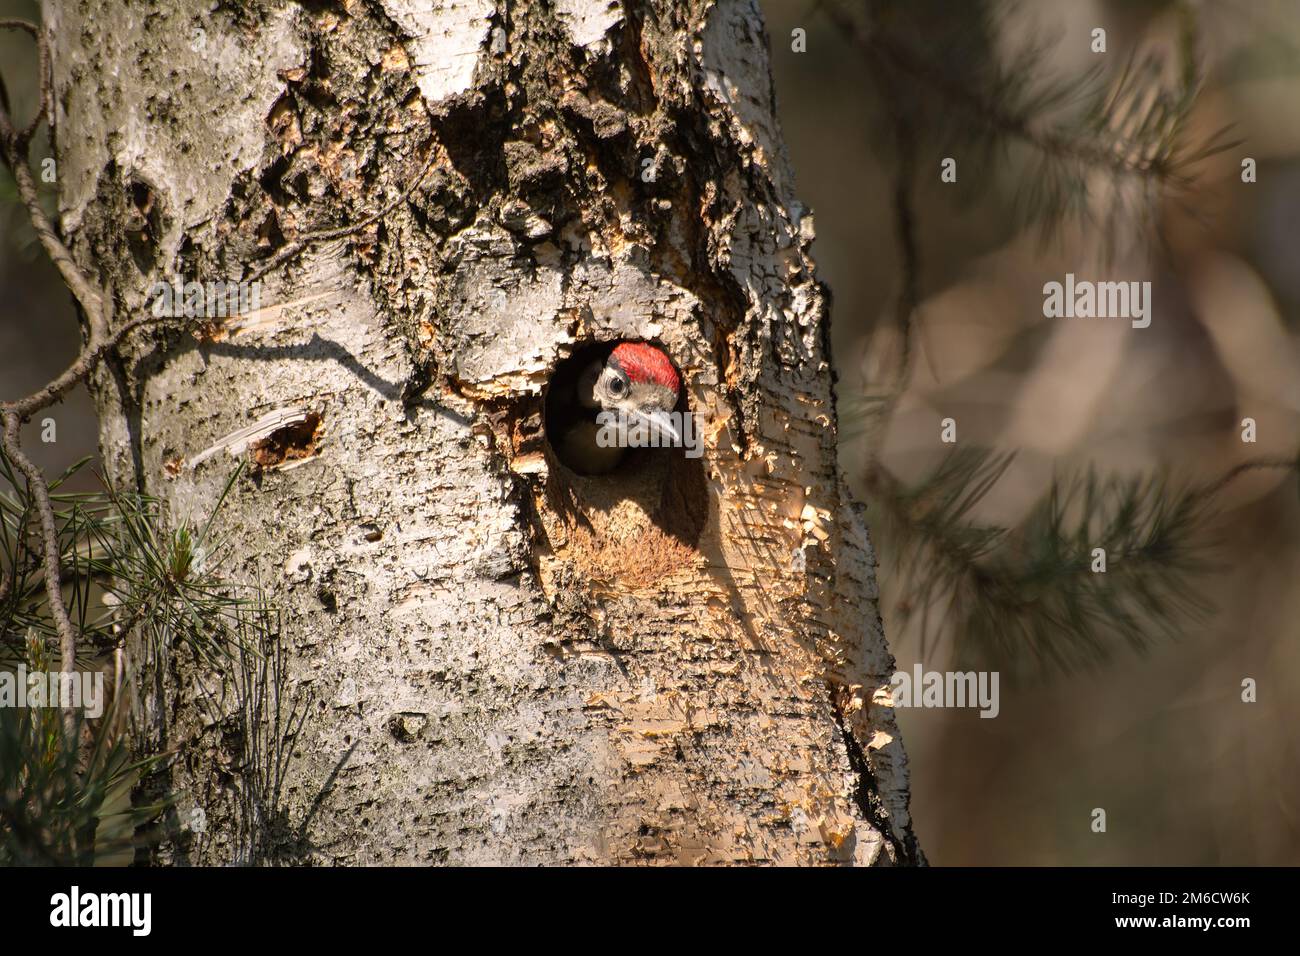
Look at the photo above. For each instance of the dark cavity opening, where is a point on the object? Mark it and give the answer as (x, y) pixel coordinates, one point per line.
(592, 477)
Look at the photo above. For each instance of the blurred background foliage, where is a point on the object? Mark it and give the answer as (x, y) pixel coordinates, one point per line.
(1122, 691)
(1071, 433)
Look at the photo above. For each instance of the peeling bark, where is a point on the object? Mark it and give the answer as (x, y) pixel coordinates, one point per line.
(510, 663)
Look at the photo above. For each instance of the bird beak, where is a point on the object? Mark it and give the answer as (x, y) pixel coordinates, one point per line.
(660, 424)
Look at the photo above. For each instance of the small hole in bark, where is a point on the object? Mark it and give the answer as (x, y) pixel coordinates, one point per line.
(635, 513)
(328, 600)
(269, 235)
(405, 728)
(142, 197)
(143, 225)
(288, 444)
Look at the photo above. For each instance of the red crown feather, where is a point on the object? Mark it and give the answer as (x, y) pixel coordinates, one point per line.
(645, 363)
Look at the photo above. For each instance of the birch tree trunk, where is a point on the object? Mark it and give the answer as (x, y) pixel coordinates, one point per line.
(507, 663)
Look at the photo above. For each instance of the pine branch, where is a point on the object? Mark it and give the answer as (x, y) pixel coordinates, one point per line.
(165, 592)
(1029, 598)
(1130, 126)
(57, 791)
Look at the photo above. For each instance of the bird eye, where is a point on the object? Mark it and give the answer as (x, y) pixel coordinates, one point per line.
(617, 386)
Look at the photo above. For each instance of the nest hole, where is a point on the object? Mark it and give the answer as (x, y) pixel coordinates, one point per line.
(651, 503)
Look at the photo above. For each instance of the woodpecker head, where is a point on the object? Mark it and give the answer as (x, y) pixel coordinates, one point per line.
(637, 380)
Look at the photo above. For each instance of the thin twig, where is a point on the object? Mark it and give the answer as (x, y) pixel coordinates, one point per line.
(40, 493)
(909, 298)
(85, 363)
(1258, 464)
(14, 147)
(43, 64)
(905, 227)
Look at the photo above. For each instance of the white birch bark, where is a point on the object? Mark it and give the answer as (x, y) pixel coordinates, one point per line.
(508, 664)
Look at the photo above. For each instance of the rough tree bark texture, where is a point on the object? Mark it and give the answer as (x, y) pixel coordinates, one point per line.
(507, 663)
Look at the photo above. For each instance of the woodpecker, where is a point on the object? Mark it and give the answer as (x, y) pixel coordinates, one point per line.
(639, 385)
